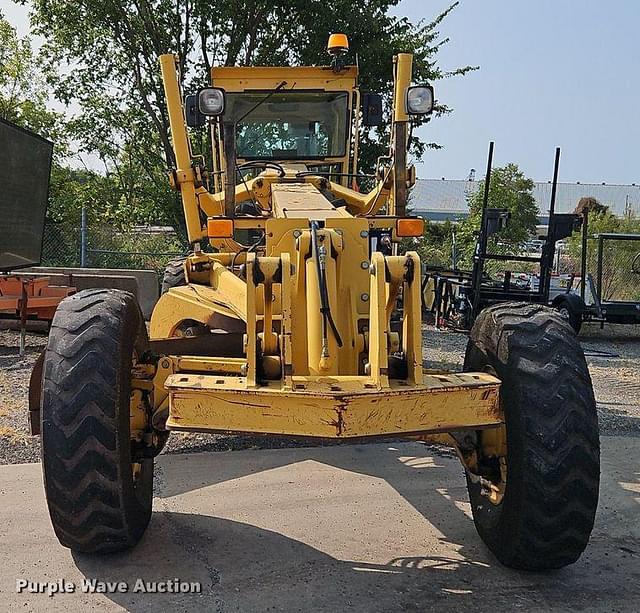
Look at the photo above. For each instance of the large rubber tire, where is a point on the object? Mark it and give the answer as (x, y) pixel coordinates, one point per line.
(546, 515)
(94, 503)
(173, 275)
(569, 313)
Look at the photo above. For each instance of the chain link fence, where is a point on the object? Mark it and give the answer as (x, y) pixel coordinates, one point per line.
(611, 263)
(615, 270)
(147, 248)
(105, 246)
(61, 245)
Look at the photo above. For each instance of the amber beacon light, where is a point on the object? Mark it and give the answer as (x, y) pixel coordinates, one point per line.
(338, 44)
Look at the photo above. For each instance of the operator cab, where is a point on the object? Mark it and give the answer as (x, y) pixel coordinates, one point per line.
(303, 116)
(289, 125)
(286, 138)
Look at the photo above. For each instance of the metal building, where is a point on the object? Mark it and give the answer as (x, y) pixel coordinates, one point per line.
(441, 199)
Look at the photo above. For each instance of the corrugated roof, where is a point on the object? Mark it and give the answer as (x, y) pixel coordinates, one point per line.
(446, 199)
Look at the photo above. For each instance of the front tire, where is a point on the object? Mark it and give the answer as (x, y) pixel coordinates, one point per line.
(98, 482)
(173, 275)
(545, 515)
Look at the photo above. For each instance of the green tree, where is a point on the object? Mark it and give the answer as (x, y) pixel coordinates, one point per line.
(132, 182)
(590, 204)
(126, 193)
(436, 245)
(509, 189)
(23, 93)
(113, 48)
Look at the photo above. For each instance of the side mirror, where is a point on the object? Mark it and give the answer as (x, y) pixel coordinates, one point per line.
(211, 101)
(372, 110)
(195, 119)
(420, 100)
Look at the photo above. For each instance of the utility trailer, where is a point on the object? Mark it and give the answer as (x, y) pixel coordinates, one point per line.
(614, 295)
(458, 296)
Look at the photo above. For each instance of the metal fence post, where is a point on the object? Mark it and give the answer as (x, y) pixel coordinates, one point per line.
(454, 251)
(83, 238)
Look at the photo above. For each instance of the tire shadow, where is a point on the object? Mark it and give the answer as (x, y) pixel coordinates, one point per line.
(241, 567)
(246, 567)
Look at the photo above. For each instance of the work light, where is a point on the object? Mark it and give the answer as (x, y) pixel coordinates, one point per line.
(211, 101)
(420, 100)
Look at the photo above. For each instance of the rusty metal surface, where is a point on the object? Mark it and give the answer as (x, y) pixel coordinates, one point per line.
(41, 299)
(333, 410)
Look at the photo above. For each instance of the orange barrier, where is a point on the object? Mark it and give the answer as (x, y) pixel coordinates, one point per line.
(30, 298)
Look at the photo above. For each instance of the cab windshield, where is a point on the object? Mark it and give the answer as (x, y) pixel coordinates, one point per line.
(289, 125)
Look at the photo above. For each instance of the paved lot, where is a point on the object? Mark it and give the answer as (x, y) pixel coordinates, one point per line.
(381, 527)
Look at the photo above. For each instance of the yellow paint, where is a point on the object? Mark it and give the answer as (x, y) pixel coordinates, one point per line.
(289, 379)
(252, 78)
(184, 173)
(403, 67)
(207, 402)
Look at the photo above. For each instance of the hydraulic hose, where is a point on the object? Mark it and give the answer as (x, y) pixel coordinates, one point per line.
(320, 255)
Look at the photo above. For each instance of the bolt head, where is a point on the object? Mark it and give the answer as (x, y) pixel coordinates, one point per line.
(364, 265)
(364, 233)
(364, 297)
(297, 233)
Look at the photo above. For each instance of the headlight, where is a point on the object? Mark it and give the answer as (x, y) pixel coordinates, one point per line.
(211, 101)
(420, 100)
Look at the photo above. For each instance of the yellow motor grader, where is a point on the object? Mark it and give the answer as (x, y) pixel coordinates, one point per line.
(297, 314)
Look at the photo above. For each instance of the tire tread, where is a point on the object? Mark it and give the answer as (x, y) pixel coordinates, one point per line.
(537, 355)
(173, 275)
(82, 389)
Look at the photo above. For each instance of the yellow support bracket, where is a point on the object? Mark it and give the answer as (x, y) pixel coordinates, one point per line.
(184, 175)
(378, 363)
(412, 317)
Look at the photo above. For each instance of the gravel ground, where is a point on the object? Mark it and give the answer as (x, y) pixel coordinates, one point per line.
(613, 355)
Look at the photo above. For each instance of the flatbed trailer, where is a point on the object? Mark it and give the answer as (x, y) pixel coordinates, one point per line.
(605, 305)
(458, 296)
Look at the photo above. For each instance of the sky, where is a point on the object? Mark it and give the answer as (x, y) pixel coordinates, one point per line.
(552, 73)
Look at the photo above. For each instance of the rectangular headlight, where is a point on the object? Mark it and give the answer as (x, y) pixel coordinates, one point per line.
(420, 100)
(211, 101)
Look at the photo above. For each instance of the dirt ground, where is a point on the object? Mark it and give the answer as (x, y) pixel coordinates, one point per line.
(613, 355)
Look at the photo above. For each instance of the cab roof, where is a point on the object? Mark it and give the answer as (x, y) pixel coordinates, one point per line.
(244, 78)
